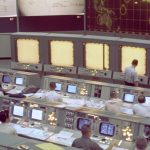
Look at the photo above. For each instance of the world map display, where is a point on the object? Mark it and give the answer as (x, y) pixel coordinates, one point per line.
(125, 16)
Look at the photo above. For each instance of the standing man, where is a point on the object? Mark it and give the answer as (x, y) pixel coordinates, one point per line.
(131, 77)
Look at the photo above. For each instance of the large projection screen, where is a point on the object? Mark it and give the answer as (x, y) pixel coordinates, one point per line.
(128, 53)
(62, 53)
(28, 51)
(96, 56)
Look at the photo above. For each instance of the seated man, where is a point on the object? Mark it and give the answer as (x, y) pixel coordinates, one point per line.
(141, 143)
(52, 95)
(85, 142)
(141, 108)
(5, 126)
(114, 104)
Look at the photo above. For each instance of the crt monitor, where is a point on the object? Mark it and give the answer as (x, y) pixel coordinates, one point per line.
(72, 89)
(58, 87)
(19, 81)
(36, 114)
(129, 98)
(18, 111)
(147, 100)
(6, 79)
(106, 129)
(82, 121)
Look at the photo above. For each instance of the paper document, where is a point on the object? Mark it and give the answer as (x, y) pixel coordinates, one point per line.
(125, 110)
(48, 146)
(118, 148)
(64, 134)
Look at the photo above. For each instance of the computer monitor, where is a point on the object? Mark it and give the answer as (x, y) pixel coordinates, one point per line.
(147, 100)
(36, 114)
(18, 111)
(58, 87)
(19, 81)
(82, 121)
(6, 79)
(128, 98)
(72, 89)
(106, 129)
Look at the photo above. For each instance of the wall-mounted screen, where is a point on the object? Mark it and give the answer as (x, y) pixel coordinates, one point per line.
(19, 81)
(137, 53)
(37, 114)
(53, 15)
(126, 16)
(107, 129)
(18, 111)
(72, 89)
(6, 79)
(96, 56)
(8, 16)
(147, 100)
(62, 53)
(82, 121)
(58, 87)
(129, 98)
(28, 51)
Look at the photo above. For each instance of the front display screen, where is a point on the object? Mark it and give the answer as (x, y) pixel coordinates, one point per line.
(147, 100)
(18, 111)
(129, 98)
(37, 114)
(6, 79)
(72, 89)
(81, 122)
(19, 80)
(58, 87)
(107, 129)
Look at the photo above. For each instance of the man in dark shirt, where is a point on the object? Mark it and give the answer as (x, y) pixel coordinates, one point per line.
(85, 142)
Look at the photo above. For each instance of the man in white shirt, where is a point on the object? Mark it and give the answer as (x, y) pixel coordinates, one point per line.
(52, 95)
(141, 109)
(114, 104)
(5, 126)
(131, 77)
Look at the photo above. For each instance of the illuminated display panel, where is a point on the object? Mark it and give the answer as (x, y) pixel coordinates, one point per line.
(18, 111)
(19, 81)
(72, 89)
(96, 56)
(6, 79)
(129, 53)
(28, 51)
(147, 100)
(58, 87)
(37, 114)
(62, 53)
(129, 98)
(81, 122)
(130, 16)
(107, 129)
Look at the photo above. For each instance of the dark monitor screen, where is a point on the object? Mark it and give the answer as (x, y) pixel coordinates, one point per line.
(129, 98)
(36, 114)
(18, 111)
(6, 79)
(19, 81)
(82, 121)
(107, 129)
(147, 100)
(71, 89)
(58, 87)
